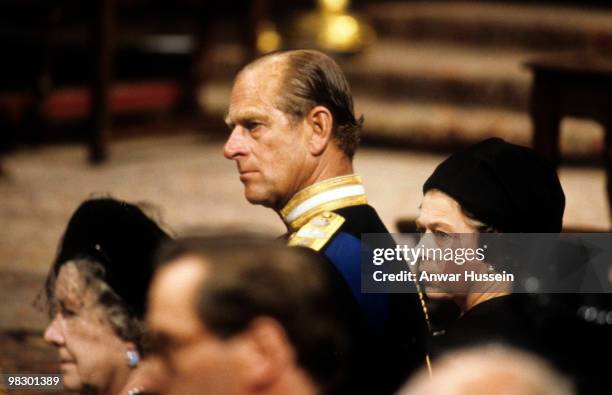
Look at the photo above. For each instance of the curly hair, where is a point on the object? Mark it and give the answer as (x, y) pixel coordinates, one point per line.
(125, 324)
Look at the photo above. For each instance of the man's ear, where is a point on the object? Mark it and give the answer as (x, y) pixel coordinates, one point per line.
(321, 121)
(268, 352)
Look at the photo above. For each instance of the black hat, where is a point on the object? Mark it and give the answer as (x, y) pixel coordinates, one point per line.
(119, 236)
(504, 185)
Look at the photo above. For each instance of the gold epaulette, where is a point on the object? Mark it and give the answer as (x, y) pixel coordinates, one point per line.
(317, 232)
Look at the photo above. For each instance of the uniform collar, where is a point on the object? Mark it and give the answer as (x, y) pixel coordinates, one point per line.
(327, 195)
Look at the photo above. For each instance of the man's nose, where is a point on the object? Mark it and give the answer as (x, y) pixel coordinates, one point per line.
(234, 146)
(53, 334)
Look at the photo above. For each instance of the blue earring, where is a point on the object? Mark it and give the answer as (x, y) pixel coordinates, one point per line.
(132, 358)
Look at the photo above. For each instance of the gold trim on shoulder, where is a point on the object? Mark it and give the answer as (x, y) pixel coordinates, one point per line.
(317, 188)
(317, 232)
(329, 206)
(327, 195)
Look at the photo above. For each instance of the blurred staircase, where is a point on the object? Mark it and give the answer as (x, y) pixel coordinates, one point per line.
(445, 74)
(441, 74)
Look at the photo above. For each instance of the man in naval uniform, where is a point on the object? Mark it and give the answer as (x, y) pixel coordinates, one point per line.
(293, 137)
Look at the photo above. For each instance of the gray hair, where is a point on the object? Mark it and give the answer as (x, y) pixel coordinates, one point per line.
(309, 79)
(491, 368)
(116, 312)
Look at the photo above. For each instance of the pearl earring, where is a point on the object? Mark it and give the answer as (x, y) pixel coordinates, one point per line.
(132, 358)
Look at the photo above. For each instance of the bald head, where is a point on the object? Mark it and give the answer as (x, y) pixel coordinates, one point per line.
(492, 369)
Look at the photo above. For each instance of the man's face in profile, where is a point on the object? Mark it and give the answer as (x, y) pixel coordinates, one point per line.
(195, 360)
(270, 148)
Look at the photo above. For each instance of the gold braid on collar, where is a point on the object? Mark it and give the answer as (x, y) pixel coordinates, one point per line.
(327, 195)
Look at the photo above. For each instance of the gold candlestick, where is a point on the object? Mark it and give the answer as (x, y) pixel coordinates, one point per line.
(332, 28)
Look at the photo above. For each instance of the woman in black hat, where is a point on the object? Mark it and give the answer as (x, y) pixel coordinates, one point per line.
(491, 187)
(96, 292)
(498, 187)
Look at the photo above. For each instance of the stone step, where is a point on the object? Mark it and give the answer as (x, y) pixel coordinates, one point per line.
(440, 126)
(494, 24)
(432, 72)
(441, 72)
(446, 127)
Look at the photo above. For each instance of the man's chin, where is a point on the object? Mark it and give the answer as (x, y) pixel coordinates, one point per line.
(258, 198)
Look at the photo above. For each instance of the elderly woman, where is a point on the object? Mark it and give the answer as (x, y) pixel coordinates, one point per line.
(491, 187)
(498, 187)
(96, 292)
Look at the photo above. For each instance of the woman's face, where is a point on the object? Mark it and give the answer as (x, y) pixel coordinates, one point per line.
(444, 225)
(91, 354)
